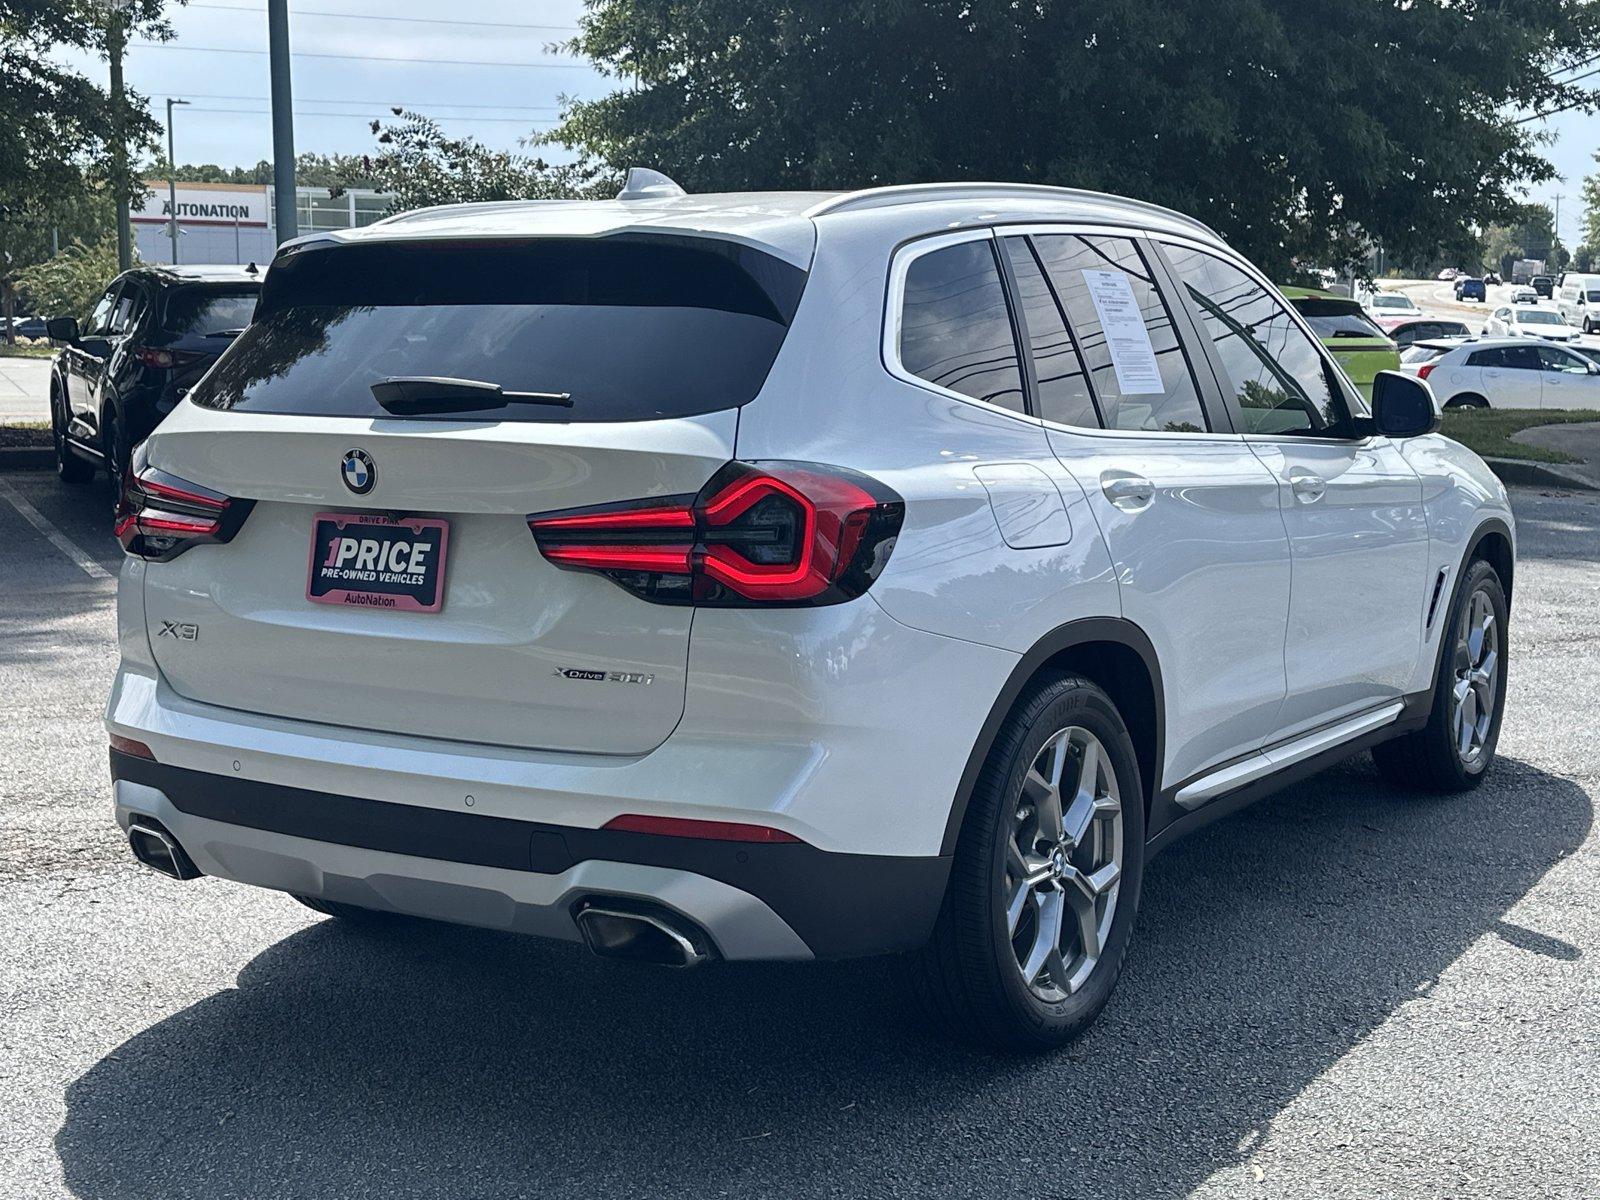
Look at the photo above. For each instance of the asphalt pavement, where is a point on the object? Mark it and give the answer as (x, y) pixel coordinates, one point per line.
(1343, 991)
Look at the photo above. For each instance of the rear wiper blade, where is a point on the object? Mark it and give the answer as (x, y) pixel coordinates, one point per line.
(413, 395)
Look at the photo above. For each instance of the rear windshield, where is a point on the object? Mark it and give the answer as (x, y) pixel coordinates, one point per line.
(1421, 352)
(632, 328)
(1337, 318)
(197, 311)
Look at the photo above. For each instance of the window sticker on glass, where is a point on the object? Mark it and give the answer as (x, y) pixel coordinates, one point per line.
(1127, 339)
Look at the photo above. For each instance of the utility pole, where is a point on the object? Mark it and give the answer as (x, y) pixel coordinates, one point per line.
(116, 42)
(283, 194)
(172, 181)
(1557, 239)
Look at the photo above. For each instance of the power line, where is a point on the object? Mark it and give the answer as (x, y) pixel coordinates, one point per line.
(442, 62)
(366, 117)
(1560, 108)
(378, 103)
(317, 12)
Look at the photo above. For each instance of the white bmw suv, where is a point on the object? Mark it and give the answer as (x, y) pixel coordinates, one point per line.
(786, 576)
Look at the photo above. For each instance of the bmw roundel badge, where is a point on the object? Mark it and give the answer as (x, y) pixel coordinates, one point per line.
(359, 471)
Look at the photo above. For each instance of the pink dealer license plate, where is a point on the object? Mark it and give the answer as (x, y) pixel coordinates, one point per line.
(368, 560)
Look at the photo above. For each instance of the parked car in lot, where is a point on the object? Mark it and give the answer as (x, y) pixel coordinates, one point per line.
(1357, 343)
(1515, 320)
(1543, 285)
(786, 576)
(1505, 373)
(25, 327)
(1391, 304)
(1468, 288)
(1578, 301)
(1402, 331)
(152, 335)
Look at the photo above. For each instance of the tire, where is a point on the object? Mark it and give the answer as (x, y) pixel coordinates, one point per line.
(114, 443)
(1467, 400)
(1432, 759)
(970, 977)
(355, 914)
(69, 467)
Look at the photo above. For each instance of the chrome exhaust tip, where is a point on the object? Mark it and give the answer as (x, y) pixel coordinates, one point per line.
(159, 850)
(640, 936)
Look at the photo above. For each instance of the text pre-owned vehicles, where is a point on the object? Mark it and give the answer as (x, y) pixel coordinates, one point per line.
(1578, 301)
(1515, 320)
(1403, 331)
(786, 576)
(1359, 345)
(152, 335)
(1469, 288)
(1505, 373)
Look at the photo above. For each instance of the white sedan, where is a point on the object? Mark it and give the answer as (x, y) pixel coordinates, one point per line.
(1392, 304)
(1523, 321)
(1504, 373)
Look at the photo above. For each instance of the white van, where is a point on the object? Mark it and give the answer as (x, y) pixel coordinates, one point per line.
(1578, 298)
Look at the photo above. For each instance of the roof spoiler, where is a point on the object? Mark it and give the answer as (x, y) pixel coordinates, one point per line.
(645, 184)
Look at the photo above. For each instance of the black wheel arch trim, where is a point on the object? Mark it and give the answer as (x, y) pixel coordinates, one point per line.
(1085, 631)
(1492, 525)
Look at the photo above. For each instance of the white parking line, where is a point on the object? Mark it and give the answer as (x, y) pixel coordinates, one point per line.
(59, 540)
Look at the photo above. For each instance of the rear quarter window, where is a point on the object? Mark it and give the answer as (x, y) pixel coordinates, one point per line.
(633, 328)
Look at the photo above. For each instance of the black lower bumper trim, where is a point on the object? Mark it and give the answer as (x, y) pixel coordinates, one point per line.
(841, 905)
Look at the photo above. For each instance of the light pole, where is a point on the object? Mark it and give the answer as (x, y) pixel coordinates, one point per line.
(172, 182)
(283, 193)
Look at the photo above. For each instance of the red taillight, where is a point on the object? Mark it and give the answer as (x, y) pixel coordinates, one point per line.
(159, 516)
(163, 360)
(124, 745)
(714, 831)
(758, 533)
(1425, 370)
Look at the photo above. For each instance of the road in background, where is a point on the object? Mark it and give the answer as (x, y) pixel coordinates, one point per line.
(1341, 992)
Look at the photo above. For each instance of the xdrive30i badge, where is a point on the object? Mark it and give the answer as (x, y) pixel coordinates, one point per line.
(581, 675)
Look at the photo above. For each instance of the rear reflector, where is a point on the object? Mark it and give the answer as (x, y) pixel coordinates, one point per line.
(124, 745)
(712, 831)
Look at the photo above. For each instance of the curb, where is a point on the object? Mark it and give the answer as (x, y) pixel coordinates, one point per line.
(1516, 470)
(27, 458)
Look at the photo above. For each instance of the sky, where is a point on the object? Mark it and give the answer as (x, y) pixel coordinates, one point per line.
(217, 63)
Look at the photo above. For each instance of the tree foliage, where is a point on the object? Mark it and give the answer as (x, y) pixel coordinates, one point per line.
(70, 283)
(1301, 131)
(421, 166)
(310, 170)
(1530, 233)
(57, 127)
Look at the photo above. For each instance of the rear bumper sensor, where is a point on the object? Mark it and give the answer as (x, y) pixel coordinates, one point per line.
(840, 905)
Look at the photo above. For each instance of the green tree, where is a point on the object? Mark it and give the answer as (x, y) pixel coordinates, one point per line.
(58, 128)
(1304, 132)
(1530, 233)
(1590, 198)
(421, 166)
(70, 283)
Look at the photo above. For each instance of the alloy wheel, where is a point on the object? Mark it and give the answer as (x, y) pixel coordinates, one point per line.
(1064, 861)
(1477, 679)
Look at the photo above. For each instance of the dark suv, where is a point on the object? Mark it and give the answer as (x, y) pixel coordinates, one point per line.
(1468, 288)
(151, 337)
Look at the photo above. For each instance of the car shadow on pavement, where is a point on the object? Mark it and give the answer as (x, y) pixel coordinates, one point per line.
(451, 1062)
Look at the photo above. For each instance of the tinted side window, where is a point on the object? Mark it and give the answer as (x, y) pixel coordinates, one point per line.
(1554, 359)
(1063, 394)
(1520, 358)
(1123, 329)
(1485, 358)
(1276, 370)
(100, 318)
(955, 329)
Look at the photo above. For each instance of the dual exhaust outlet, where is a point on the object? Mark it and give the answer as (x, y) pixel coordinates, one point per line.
(611, 930)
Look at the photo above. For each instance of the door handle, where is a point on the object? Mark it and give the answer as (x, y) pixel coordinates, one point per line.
(1307, 488)
(1127, 492)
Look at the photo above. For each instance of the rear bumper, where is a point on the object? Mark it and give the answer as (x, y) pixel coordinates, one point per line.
(754, 901)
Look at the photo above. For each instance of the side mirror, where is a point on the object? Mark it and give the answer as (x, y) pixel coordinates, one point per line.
(63, 329)
(1402, 406)
(1594, 368)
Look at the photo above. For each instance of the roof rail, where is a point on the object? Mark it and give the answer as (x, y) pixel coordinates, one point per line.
(910, 193)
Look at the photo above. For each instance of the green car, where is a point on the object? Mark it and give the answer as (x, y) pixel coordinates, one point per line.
(1360, 347)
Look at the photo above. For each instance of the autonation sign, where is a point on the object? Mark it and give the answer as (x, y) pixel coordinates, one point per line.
(203, 204)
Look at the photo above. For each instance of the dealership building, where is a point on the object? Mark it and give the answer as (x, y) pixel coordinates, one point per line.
(234, 222)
